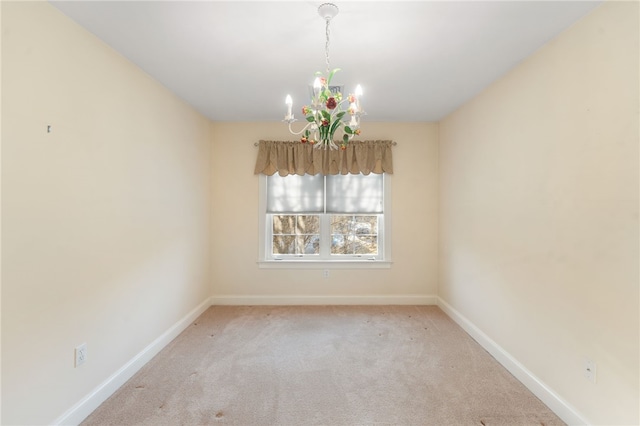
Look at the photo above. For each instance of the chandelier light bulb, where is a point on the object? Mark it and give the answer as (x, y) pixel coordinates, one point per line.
(317, 85)
(358, 96)
(289, 102)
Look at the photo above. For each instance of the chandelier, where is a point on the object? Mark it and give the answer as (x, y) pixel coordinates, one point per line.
(326, 115)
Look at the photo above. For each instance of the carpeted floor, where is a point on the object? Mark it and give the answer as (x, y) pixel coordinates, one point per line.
(323, 365)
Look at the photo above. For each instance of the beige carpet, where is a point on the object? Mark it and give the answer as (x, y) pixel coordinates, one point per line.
(323, 365)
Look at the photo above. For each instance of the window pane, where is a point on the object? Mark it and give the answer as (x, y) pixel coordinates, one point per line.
(284, 224)
(340, 224)
(339, 244)
(366, 225)
(295, 194)
(366, 245)
(354, 234)
(309, 244)
(308, 224)
(284, 244)
(355, 193)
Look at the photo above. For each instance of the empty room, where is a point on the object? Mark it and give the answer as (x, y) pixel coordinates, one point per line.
(307, 213)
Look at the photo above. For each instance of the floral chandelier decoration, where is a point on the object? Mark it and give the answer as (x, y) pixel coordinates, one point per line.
(325, 115)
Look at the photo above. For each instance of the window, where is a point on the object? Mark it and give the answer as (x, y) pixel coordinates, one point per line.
(316, 218)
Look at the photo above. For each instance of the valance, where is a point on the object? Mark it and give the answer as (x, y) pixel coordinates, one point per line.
(289, 158)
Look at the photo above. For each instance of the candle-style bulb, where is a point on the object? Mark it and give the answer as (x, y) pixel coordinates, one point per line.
(289, 102)
(358, 96)
(317, 85)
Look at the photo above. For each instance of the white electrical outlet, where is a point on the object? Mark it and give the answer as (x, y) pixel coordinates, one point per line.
(81, 354)
(589, 370)
(325, 273)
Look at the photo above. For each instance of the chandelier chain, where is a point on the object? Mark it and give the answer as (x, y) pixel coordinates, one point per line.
(326, 47)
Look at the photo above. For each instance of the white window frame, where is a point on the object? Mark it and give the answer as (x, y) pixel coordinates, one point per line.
(383, 260)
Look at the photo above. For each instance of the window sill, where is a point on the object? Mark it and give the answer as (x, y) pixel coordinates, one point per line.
(324, 264)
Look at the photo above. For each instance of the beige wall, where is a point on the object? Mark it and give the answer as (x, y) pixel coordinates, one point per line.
(236, 275)
(105, 219)
(539, 213)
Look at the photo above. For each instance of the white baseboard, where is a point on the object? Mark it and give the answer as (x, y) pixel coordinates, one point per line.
(562, 409)
(76, 414)
(405, 299)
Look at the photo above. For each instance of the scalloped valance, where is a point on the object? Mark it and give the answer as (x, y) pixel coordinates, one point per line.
(295, 158)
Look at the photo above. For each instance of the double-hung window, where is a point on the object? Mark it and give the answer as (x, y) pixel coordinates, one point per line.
(331, 218)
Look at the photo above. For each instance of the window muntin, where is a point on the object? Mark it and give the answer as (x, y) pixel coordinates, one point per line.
(334, 217)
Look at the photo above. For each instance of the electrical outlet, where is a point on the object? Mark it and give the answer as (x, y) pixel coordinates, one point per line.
(589, 370)
(325, 273)
(81, 355)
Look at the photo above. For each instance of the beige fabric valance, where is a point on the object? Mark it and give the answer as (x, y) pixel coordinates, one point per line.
(289, 158)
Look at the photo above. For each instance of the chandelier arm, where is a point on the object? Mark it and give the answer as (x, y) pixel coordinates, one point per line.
(301, 131)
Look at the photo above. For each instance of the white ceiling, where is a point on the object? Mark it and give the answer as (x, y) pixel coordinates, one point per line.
(236, 61)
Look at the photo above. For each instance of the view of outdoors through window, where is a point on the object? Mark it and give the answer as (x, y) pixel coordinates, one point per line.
(354, 234)
(296, 234)
(350, 234)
